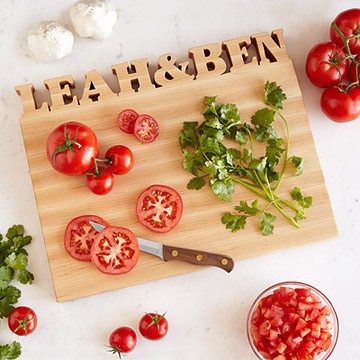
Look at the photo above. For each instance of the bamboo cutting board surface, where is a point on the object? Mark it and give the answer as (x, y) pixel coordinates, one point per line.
(61, 198)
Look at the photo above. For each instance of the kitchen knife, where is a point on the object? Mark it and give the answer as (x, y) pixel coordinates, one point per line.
(169, 253)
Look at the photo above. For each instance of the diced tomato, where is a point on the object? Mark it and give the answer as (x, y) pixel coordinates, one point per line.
(291, 324)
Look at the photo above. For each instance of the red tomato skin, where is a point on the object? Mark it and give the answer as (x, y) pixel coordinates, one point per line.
(126, 120)
(123, 339)
(102, 183)
(148, 204)
(146, 128)
(79, 160)
(320, 71)
(127, 254)
(19, 314)
(348, 22)
(339, 106)
(121, 159)
(77, 247)
(155, 331)
(352, 71)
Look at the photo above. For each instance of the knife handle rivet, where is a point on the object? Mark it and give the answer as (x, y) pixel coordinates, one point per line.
(199, 257)
(224, 261)
(174, 253)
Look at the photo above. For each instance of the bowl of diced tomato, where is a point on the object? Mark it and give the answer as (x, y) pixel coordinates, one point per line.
(292, 321)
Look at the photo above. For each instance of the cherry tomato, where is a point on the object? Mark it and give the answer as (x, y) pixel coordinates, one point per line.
(100, 182)
(153, 326)
(159, 208)
(126, 120)
(22, 321)
(324, 65)
(146, 129)
(71, 147)
(122, 340)
(341, 106)
(115, 251)
(79, 236)
(348, 23)
(121, 159)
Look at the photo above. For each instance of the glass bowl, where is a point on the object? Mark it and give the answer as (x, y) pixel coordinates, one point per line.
(306, 311)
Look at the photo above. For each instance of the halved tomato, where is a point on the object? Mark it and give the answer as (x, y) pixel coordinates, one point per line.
(126, 120)
(79, 236)
(159, 208)
(146, 128)
(115, 251)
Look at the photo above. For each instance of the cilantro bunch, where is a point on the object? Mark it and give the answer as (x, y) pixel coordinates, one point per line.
(13, 267)
(209, 157)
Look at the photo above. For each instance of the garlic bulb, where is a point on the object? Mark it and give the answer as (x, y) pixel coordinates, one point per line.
(93, 18)
(50, 41)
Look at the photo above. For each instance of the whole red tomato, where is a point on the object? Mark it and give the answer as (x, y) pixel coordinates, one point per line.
(22, 321)
(339, 105)
(348, 22)
(101, 181)
(325, 65)
(122, 340)
(120, 159)
(153, 326)
(71, 147)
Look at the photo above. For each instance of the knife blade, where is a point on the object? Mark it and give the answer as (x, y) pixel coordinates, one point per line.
(169, 253)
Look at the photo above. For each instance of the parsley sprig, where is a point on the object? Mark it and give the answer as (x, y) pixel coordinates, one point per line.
(13, 267)
(209, 157)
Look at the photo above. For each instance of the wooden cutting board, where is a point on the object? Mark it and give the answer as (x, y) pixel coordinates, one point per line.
(235, 71)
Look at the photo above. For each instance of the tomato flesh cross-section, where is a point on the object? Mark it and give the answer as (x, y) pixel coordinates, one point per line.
(126, 120)
(159, 208)
(146, 128)
(115, 251)
(79, 236)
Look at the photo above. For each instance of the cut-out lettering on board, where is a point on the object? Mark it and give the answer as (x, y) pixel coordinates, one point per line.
(208, 60)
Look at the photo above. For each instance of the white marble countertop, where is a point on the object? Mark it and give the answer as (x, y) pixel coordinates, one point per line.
(206, 310)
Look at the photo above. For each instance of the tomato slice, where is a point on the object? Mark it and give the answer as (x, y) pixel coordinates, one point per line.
(79, 236)
(159, 208)
(126, 120)
(115, 251)
(146, 128)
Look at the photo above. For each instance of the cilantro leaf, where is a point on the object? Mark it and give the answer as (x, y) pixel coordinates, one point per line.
(253, 209)
(25, 276)
(196, 183)
(6, 275)
(8, 296)
(234, 222)
(188, 135)
(263, 117)
(274, 96)
(304, 202)
(298, 162)
(222, 189)
(265, 223)
(16, 262)
(10, 351)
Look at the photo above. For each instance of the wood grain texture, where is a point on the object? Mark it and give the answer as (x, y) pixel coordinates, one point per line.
(61, 198)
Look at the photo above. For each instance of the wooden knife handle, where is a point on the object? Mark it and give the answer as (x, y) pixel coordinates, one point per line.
(198, 257)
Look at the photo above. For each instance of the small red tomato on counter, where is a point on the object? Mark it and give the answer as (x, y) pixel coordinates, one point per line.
(341, 105)
(22, 321)
(120, 159)
(101, 181)
(159, 208)
(122, 340)
(292, 321)
(79, 236)
(153, 326)
(115, 251)
(71, 148)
